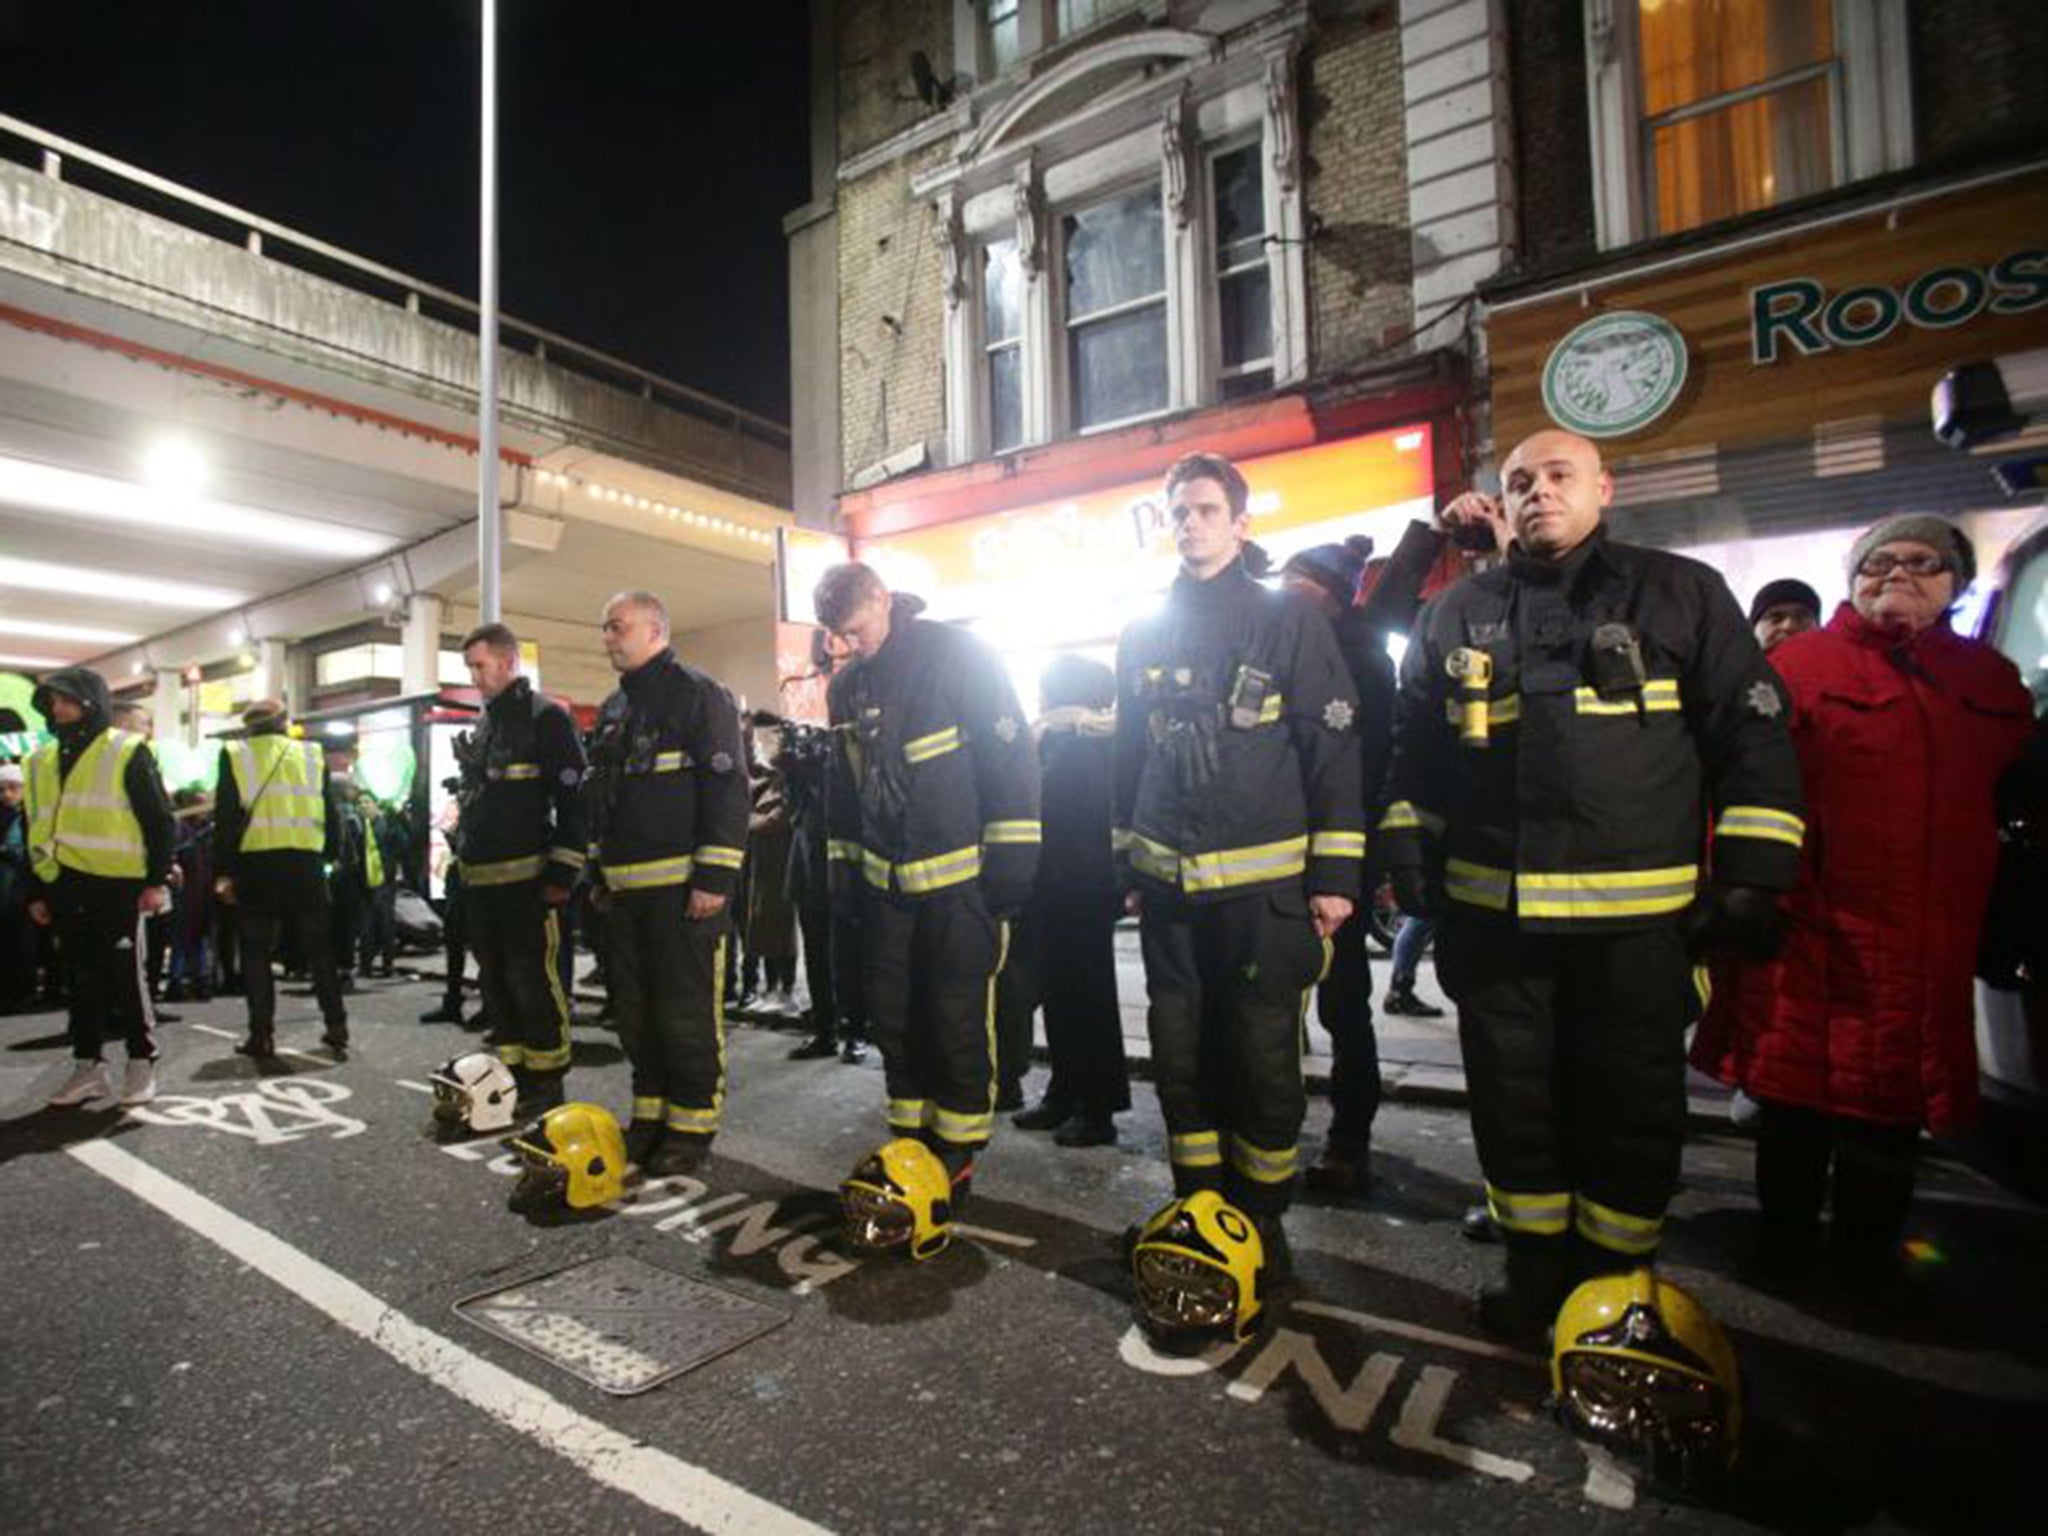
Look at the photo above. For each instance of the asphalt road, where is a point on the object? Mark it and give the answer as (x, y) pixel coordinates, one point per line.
(235, 1311)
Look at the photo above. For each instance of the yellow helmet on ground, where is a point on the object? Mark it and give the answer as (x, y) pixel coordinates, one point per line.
(1197, 1264)
(899, 1197)
(1641, 1367)
(574, 1153)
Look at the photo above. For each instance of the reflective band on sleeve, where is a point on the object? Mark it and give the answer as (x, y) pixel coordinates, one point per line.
(719, 857)
(1013, 832)
(1761, 821)
(1540, 1215)
(962, 1130)
(654, 872)
(503, 871)
(1660, 696)
(671, 762)
(520, 771)
(1336, 845)
(568, 856)
(938, 744)
(1261, 1164)
(838, 848)
(940, 871)
(1404, 815)
(1196, 1149)
(1617, 1231)
(1477, 885)
(1610, 893)
(1222, 870)
(647, 1106)
(906, 1114)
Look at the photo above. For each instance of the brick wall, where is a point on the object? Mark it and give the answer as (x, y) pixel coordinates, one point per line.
(875, 40)
(1553, 147)
(1356, 168)
(1979, 70)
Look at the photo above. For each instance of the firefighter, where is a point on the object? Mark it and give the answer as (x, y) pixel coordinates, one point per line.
(1240, 829)
(100, 834)
(274, 826)
(523, 847)
(932, 812)
(1565, 720)
(668, 804)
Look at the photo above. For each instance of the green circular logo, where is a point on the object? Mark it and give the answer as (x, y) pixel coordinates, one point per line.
(1615, 374)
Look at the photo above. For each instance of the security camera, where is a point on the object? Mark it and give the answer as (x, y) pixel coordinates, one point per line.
(1980, 402)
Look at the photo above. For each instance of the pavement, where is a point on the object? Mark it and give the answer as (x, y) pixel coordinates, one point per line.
(234, 1308)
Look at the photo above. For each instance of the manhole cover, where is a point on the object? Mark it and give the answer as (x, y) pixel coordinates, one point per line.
(620, 1324)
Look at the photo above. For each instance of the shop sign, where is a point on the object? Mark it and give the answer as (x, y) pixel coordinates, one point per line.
(1615, 374)
(1801, 313)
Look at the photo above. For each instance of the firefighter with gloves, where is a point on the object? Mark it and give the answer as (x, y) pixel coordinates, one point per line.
(1565, 722)
(933, 833)
(522, 846)
(1240, 836)
(668, 802)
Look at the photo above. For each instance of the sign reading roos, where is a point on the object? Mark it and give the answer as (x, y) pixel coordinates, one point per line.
(1801, 313)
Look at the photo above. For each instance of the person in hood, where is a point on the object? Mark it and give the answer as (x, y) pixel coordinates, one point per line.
(100, 834)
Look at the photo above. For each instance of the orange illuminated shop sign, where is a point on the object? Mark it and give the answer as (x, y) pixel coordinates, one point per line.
(1074, 563)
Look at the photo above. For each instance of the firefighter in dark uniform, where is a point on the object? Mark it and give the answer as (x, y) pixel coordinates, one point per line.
(1240, 831)
(522, 847)
(932, 809)
(668, 803)
(1567, 721)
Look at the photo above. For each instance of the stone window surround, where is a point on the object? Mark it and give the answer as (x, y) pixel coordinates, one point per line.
(1011, 177)
(1873, 111)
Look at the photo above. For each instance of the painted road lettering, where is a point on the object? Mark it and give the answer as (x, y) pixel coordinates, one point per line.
(275, 1111)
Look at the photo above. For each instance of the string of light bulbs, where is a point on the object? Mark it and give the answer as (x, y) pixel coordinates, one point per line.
(612, 495)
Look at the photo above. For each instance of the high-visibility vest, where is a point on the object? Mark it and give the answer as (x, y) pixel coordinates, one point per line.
(83, 820)
(373, 856)
(278, 780)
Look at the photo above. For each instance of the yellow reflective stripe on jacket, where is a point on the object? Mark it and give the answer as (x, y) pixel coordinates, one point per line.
(1617, 1231)
(1660, 694)
(921, 876)
(1761, 821)
(647, 1106)
(503, 871)
(938, 744)
(1031, 832)
(1505, 710)
(520, 771)
(692, 1120)
(1610, 893)
(1478, 885)
(1222, 870)
(1336, 845)
(950, 1125)
(373, 857)
(1541, 1215)
(1196, 1149)
(640, 877)
(720, 857)
(279, 782)
(568, 856)
(840, 849)
(1260, 1164)
(906, 1114)
(1270, 711)
(1403, 815)
(83, 820)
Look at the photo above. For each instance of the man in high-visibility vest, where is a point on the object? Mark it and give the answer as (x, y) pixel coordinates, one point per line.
(273, 825)
(100, 841)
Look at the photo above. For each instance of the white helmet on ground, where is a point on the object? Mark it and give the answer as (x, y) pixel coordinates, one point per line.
(475, 1092)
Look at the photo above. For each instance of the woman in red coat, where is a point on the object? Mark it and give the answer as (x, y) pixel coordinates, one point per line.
(1861, 1032)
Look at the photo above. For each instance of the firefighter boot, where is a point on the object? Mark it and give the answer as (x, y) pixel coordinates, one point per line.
(1539, 1273)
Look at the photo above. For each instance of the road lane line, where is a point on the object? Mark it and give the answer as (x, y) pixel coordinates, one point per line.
(652, 1476)
(282, 1050)
(1417, 1332)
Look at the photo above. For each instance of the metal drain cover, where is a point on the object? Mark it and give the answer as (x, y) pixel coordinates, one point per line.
(621, 1325)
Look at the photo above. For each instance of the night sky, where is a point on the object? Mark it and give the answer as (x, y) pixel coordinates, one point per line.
(648, 149)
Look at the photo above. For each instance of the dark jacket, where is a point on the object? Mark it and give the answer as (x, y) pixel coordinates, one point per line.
(1585, 804)
(1077, 759)
(935, 781)
(143, 782)
(522, 801)
(668, 795)
(1237, 761)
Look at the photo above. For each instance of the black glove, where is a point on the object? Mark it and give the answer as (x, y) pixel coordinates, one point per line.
(1411, 890)
(1743, 920)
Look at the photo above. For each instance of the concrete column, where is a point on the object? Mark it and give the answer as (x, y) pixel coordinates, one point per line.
(421, 641)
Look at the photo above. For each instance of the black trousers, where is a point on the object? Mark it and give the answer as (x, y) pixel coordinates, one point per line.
(350, 900)
(1084, 1027)
(455, 934)
(100, 942)
(930, 965)
(309, 923)
(1344, 1007)
(666, 977)
(815, 923)
(1575, 1060)
(849, 978)
(1020, 991)
(17, 959)
(1872, 1168)
(1229, 983)
(518, 939)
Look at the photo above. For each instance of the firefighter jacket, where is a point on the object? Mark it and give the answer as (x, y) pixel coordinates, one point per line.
(1563, 728)
(1237, 760)
(935, 782)
(521, 793)
(667, 789)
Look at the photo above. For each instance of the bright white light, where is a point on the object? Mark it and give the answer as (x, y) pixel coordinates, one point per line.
(338, 728)
(135, 668)
(36, 629)
(380, 594)
(236, 635)
(175, 467)
(45, 488)
(86, 584)
(31, 663)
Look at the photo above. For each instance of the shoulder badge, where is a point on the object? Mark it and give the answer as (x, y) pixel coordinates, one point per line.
(721, 762)
(1764, 700)
(571, 778)
(1337, 715)
(1006, 729)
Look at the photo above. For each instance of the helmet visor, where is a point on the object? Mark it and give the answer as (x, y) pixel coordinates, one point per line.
(451, 1102)
(875, 1219)
(543, 1180)
(1654, 1408)
(1178, 1290)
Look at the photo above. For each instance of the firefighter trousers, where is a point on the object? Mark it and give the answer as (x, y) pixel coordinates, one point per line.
(518, 939)
(1574, 1049)
(1344, 1009)
(929, 968)
(1229, 984)
(100, 939)
(666, 977)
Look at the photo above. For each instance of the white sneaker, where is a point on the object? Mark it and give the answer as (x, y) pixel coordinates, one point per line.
(138, 1081)
(88, 1082)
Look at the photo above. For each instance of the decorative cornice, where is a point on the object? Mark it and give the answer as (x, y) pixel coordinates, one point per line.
(1185, 48)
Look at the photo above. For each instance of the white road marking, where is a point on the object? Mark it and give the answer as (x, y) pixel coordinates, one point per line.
(1416, 1332)
(282, 1050)
(990, 1235)
(652, 1476)
(405, 1082)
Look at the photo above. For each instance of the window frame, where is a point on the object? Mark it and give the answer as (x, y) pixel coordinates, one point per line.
(1219, 372)
(1064, 402)
(985, 350)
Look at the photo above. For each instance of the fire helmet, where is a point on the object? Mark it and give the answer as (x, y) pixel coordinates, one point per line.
(474, 1092)
(1638, 1365)
(574, 1153)
(1197, 1264)
(899, 1197)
